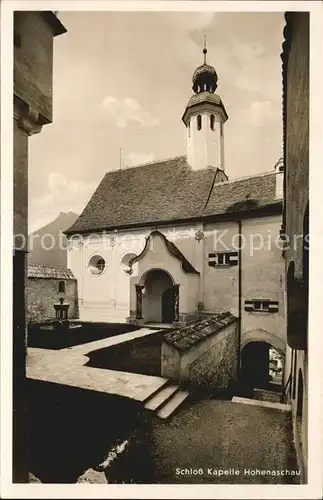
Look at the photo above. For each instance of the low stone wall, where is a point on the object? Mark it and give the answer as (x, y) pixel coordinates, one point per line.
(140, 355)
(42, 294)
(203, 355)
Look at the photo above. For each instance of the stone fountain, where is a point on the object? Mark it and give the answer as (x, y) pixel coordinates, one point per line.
(61, 323)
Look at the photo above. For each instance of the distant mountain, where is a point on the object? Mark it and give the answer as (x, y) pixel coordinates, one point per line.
(46, 245)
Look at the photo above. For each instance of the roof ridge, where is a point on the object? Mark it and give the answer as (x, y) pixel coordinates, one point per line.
(128, 167)
(168, 191)
(244, 177)
(49, 266)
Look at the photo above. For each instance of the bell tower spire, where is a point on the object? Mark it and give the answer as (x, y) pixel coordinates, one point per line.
(204, 49)
(204, 118)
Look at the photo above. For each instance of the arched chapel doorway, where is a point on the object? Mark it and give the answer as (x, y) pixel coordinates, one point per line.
(168, 305)
(159, 297)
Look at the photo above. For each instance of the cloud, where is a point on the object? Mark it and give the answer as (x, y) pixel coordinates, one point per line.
(139, 159)
(247, 52)
(261, 112)
(192, 21)
(125, 111)
(62, 196)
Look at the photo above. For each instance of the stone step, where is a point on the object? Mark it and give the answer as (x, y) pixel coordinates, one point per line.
(161, 397)
(174, 402)
(267, 395)
(266, 404)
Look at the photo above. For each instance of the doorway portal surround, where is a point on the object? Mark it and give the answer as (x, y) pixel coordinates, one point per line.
(166, 287)
(157, 297)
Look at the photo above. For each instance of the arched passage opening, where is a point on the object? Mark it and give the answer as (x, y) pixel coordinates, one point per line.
(300, 395)
(158, 297)
(299, 404)
(306, 243)
(261, 367)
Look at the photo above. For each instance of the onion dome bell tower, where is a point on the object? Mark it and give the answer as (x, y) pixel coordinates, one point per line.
(204, 118)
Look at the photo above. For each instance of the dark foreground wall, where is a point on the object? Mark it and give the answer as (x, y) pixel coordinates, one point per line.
(71, 430)
(33, 72)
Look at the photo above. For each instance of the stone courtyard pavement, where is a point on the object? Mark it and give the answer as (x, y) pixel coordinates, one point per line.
(206, 441)
(213, 435)
(67, 367)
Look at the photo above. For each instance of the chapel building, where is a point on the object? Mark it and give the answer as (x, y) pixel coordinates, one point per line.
(173, 241)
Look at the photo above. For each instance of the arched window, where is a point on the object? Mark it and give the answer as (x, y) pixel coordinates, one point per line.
(306, 245)
(199, 122)
(299, 411)
(61, 287)
(212, 122)
(296, 310)
(299, 407)
(294, 375)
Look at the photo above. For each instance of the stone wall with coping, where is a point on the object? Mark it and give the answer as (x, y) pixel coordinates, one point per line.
(203, 355)
(215, 370)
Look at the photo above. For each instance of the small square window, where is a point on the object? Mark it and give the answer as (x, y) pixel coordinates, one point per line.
(223, 259)
(259, 305)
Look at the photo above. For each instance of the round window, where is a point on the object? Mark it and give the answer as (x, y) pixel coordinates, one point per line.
(125, 262)
(97, 265)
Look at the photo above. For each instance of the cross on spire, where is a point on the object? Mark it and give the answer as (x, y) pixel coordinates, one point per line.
(204, 49)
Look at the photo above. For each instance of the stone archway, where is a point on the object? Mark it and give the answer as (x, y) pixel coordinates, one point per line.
(256, 364)
(159, 297)
(258, 369)
(260, 335)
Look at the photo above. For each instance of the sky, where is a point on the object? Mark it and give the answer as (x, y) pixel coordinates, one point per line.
(121, 80)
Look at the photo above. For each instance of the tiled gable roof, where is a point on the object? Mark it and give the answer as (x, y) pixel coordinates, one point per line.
(168, 191)
(187, 336)
(50, 272)
(172, 248)
(242, 195)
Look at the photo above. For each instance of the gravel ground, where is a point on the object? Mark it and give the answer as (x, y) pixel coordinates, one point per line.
(212, 436)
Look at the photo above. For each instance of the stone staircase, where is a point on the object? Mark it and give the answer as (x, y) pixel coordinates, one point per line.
(165, 400)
